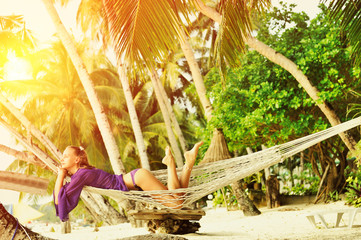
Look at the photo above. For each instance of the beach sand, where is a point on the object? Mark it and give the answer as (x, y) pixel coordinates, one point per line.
(285, 222)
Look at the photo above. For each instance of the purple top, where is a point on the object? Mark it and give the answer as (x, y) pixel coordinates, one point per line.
(69, 194)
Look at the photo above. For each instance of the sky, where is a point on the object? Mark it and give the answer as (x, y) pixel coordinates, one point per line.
(36, 16)
(38, 20)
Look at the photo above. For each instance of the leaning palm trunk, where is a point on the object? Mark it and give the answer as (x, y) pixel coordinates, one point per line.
(291, 67)
(167, 121)
(24, 156)
(45, 158)
(23, 183)
(30, 127)
(98, 110)
(100, 209)
(134, 118)
(218, 149)
(173, 118)
(10, 228)
(196, 75)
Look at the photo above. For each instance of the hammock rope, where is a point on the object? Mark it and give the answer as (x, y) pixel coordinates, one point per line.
(209, 177)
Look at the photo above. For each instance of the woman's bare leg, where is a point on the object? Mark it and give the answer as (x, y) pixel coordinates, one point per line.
(190, 157)
(173, 181)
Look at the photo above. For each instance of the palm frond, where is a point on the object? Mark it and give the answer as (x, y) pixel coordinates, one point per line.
(349, 12)
(12, 22)
(143, 31)
(236, 24)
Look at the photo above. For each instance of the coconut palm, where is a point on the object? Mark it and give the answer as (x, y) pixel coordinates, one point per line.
(64, 114)
(15, 39)
(349, 13)
(151, 125)
(102, 121)
(9, 228)
(141, 48)
(14, 115)
(99, 22)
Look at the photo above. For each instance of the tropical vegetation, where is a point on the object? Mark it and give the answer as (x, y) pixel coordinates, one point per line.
(168, 87)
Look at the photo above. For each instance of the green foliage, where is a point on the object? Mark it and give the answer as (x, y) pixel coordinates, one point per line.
(353, 187)
(261, 103)
(302, 189)
(349, 12)
(306, 184)
(334, 196)
(224, 197)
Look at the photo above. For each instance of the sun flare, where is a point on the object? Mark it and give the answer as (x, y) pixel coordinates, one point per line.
(17, 69)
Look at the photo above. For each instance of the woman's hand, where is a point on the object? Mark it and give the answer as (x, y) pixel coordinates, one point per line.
(62, 172)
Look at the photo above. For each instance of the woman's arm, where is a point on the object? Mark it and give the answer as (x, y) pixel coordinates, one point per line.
(59, 183)
(66, 196)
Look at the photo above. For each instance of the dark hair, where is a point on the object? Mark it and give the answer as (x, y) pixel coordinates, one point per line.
(81, 153)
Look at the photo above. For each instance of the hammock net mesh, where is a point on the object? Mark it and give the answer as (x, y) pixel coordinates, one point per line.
(209, 177)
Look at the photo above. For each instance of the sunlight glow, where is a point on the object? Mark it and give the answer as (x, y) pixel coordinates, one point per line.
(17, 68)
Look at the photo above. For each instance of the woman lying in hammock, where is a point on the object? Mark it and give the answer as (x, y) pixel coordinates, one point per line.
(75, 163)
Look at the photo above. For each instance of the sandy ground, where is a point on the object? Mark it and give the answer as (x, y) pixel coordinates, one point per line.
(285, 222)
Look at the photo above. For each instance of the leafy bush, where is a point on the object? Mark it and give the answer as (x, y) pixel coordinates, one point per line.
(307, 188)
(334, 196)
(353, 187)
(307, 183)
(224, 197)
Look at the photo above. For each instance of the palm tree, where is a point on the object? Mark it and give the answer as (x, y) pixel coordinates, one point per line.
(348, 12)
(60, 109)
(133, 117)
(9, 228)
(63, 111)
(13, 113)
(150, 122)
(96, 23)
(14, 36)
(166, 116)
(88, 85)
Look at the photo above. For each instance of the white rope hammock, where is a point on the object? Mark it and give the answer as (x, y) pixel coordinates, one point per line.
(209, 177)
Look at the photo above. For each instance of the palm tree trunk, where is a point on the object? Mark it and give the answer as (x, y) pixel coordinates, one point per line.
(292, 68)
(99, 206)
(196, 74)
(163, 108)
(218, 149)
(247, 206)
(51, 163)
(31, 128)
(173, 118)
(101, 210)
(23, 156)
(10, 227)
(23, 183)
(98, 110)
(134, 118)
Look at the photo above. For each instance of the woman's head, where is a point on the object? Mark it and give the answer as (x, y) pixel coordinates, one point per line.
(74, 158)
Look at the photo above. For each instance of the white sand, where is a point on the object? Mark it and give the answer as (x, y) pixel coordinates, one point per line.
(285, 222)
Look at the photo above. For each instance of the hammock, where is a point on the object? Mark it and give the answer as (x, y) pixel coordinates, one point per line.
(209, 177)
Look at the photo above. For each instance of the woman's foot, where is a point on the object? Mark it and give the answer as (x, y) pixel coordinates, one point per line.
(168, 159)
(191, 155)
